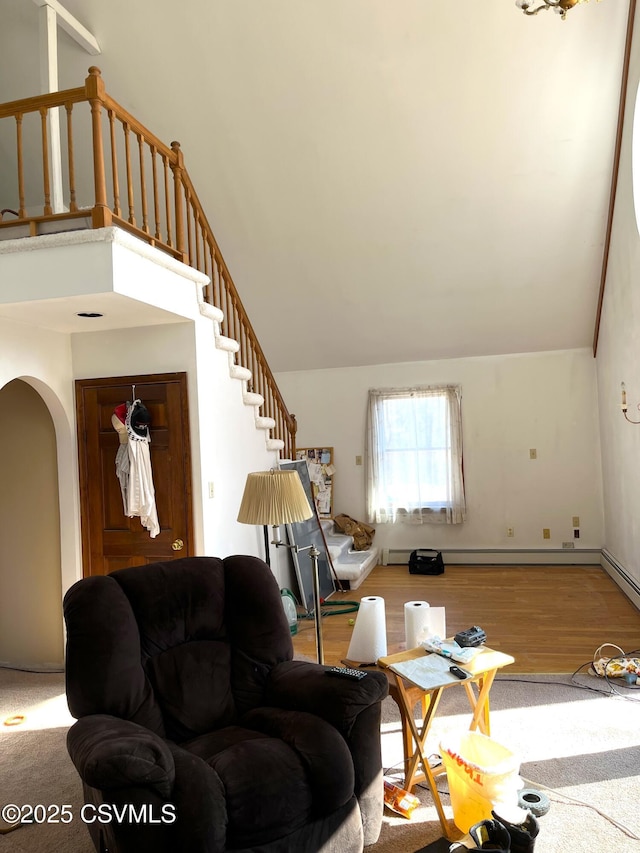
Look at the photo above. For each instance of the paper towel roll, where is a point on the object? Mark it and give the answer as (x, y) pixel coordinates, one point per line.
(416, 622)
(369, 638)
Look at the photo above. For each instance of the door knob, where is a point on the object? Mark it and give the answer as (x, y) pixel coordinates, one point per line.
(178, 545)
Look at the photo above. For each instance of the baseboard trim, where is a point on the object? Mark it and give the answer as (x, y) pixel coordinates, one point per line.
(32, 667)
(618, 574)
(493, 557)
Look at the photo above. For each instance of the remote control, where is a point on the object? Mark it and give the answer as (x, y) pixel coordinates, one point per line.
(346, 672)
(459, 673)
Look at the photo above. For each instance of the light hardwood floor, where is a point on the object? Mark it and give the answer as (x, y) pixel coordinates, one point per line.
(551, 619)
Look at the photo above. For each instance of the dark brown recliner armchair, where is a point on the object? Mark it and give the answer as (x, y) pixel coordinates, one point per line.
(196, 732)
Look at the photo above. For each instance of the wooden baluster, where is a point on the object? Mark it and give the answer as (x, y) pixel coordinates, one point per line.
(187, 201)
(127, 149)
(167, 205)
(293, 429)
(217, 288)
(233, 316)
(223, 303)
(94, 88)
(208, 291)
(208, 271)
(272, 403)
(252, 368)
(21, 209)
(143, 184)
(196, 228)
(178, 168)
(258, 383)
(156, 191)
(117, 210)
(229, 310)
(73, 206)
(243, 346)
(45, 162)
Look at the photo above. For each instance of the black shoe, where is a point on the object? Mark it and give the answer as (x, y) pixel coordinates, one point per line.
(523, 835)
(487, 835)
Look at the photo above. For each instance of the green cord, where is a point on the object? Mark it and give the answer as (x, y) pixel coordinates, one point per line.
(344, 607)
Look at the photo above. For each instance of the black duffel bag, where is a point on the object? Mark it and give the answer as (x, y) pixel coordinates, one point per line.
(422, 562)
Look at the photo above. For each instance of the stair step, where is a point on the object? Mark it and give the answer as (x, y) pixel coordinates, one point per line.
(211, 312)
(275, 444)
(252, 399)
(239, 372)
(227, 344)
(265, 423)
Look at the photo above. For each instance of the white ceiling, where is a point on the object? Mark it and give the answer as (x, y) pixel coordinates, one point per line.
(388, 181)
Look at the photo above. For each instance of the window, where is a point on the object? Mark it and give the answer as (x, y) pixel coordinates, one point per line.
(414, 456)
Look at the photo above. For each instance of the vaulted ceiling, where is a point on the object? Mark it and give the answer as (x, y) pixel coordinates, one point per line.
(388, 181)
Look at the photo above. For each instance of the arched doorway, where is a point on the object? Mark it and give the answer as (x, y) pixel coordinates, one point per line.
(31, 633)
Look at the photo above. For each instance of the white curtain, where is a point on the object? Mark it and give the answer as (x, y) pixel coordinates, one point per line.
(414, 456)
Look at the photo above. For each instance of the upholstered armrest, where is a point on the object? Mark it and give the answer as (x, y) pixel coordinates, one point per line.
(112, 753)
(354, 708)
(302, 686)
(128, 765)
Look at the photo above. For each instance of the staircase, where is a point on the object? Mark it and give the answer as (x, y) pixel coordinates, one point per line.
(350, 566)
(243, 374)
(140, 185)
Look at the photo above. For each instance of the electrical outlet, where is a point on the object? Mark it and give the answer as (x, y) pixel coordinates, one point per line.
(546, 533)
(510, 531)
(533, 453)
(576, 534)
(567, 546)
(575, 521)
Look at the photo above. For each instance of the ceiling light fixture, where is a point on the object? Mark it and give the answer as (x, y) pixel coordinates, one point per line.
(559, 6)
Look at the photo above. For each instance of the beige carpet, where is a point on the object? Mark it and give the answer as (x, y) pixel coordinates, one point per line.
(577, 742)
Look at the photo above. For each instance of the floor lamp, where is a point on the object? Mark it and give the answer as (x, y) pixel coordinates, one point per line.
(277, 497)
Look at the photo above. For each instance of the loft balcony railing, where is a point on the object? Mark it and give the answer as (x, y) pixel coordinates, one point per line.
(116, 172)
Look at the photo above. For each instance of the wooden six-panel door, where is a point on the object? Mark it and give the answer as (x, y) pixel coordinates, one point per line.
(110, 540)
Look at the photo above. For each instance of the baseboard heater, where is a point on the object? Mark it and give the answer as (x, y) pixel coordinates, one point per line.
(493, 557)
(618, 574)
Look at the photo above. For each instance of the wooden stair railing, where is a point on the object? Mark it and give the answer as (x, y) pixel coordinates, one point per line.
(139, 184)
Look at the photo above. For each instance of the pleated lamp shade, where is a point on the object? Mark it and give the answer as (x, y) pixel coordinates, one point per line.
(274, 497)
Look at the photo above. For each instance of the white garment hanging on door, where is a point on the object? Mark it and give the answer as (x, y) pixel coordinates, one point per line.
(122, 473)
(141, 495)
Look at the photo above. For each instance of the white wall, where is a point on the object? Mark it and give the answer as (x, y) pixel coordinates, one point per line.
(618, 361)
(510, 404)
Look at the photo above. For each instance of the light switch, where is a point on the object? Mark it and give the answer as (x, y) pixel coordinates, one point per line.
(358, 460)
(211, 489)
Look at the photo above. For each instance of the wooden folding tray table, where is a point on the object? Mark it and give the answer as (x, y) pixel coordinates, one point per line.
(483, 669)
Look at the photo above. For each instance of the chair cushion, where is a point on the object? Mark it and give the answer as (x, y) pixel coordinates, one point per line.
(302, 758)
(322, 749)
(192, 685)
